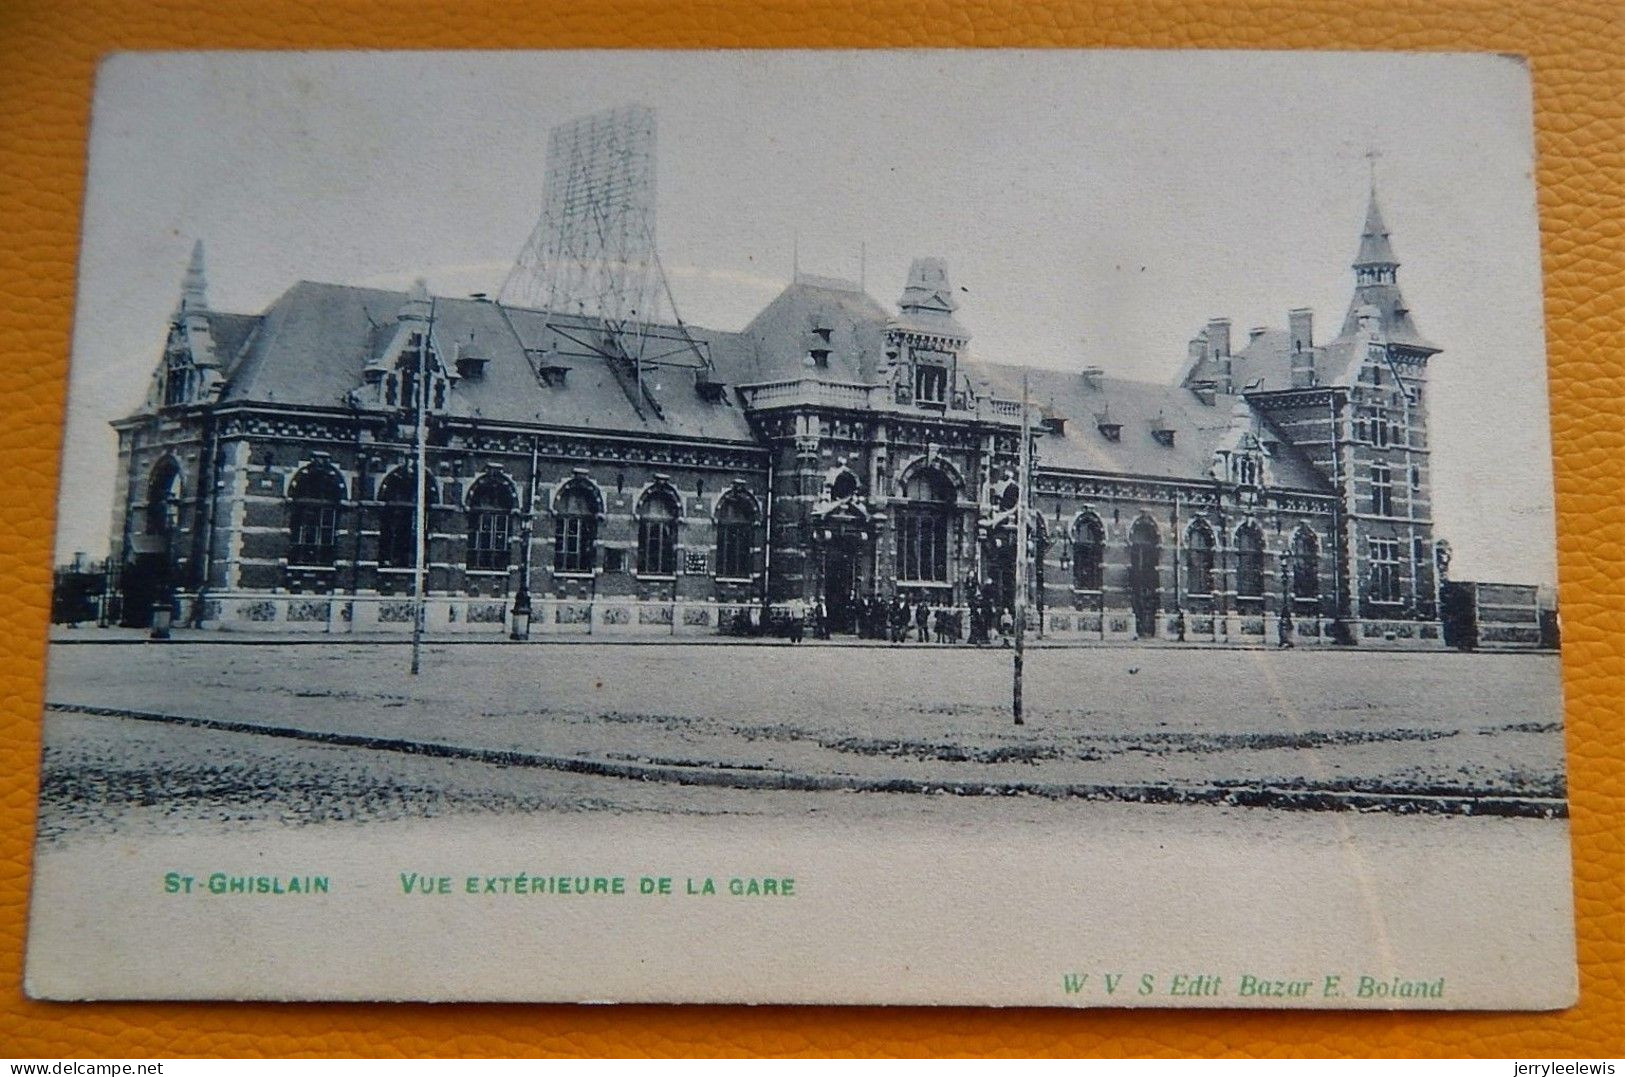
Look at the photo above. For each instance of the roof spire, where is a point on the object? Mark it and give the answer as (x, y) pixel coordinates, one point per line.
(194, 287)
(1375, 250)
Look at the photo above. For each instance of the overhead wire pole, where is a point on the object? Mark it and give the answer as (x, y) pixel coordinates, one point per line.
(420, 521)
(1024, 461)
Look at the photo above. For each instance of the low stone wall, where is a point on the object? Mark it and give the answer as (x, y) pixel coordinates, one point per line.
(467, 615)
(455, 615)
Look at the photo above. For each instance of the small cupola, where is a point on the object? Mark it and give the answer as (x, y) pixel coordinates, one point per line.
(1162, 430)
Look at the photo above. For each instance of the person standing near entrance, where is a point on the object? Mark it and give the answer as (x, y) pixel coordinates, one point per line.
(922, 621)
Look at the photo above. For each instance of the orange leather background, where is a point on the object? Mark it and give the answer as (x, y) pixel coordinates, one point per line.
(48, 52)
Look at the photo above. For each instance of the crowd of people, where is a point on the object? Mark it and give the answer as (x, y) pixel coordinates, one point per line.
(902, 621)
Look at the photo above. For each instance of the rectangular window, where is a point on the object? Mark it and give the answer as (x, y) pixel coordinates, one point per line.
(1419, 553)
(488, 541)
(657, 548)
(930, 384)
(573, 544)
(733, 550)
(1416, 479)
(922, 547)
(1382, 490)
(397, 536)
(1384, 570)
(315, 532)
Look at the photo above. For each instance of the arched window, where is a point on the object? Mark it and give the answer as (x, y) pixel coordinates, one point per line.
(164, 497)
(922, 528)
(490, 521)
(657, 534)
(397, 519)
(314, 496)
(1305, 564)
(1199, 559)
(1249, 562)
(1088, 545)
(575, 529)
(736, 527)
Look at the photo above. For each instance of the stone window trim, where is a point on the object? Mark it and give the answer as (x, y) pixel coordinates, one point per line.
(1383, 577)
(577, 512)
(1250, 558)
(1304, 564)
(659, 519)
(736, 518)
(1201, 550)
(490, 506)
(315, 493)
(1088, 554)
(1382, 490)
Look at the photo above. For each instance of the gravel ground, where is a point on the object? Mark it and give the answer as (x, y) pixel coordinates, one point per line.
(1439, 724)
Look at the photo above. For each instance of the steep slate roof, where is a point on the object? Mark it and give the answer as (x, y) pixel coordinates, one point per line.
(315, 340)
(1138, 407)
(1374, 246)
(230, 332)
(1265, 362)
(779, 337)
(311, 346)
(1396, 316)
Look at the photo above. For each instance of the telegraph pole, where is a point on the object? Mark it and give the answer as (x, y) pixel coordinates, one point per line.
(1021, 555)
(420, 515)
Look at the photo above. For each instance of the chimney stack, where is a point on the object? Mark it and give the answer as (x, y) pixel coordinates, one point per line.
(1218, 337)
(1301, 323)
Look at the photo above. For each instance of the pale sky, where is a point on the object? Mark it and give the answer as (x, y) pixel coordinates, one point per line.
(1097, 208)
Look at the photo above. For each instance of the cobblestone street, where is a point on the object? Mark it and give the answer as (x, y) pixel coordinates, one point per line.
(504, 721)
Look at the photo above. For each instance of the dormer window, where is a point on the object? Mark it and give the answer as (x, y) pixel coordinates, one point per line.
(553, 374)
(710, 389)
(1053, 423)
(818, 358)
(471, 366)
(1111, 431)
(823, 333)
(1164, 435)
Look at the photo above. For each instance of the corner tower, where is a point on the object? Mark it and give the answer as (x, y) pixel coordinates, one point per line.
(1386, 483)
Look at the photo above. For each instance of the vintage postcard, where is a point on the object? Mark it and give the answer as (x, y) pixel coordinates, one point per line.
(997, 528)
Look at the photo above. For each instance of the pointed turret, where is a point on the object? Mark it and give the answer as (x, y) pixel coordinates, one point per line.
(1376, 284)
(1376, 252)
(194, 286)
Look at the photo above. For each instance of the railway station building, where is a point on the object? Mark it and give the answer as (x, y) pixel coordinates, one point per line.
(836, 450)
